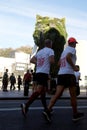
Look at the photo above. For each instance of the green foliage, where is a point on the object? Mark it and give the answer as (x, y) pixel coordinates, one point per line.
(54, 29)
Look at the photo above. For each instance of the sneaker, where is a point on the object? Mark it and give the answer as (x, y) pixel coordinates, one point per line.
(78, 116)
(47, 115)
(24, 110)
(51, 111)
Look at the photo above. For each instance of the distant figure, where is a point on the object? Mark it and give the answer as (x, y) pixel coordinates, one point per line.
(5, 80)
(19, 82)
(78, 77)
(12, 81)
(34, 83)
(26, 82)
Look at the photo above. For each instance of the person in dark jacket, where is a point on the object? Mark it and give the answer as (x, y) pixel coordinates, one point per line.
(12, 81)
(5, 80)
(19, 79)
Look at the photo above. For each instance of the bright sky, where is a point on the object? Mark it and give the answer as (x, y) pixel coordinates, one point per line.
(18, 18)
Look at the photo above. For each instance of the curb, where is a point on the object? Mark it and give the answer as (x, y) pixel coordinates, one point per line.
(26, 98)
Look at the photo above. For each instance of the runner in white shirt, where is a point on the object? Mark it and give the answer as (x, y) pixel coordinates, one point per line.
(66, 78)
(78, 75)
(43, 59)
(43, 64)
(65, 67)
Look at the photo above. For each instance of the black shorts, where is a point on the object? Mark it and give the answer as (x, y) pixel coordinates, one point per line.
(66, 80)
(42, 79)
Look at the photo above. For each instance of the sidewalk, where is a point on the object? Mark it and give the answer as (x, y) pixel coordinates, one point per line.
(15, 94)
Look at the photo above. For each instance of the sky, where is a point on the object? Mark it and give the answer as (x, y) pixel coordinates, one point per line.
(18, 18)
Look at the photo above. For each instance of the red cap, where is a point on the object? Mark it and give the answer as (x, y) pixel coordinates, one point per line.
(72, 40)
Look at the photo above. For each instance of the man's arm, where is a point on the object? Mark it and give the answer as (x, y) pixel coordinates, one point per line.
(51, 59)
(33, 60)
(69, 60)
(59, 63)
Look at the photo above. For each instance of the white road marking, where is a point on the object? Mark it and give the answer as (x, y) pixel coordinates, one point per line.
(39, 108)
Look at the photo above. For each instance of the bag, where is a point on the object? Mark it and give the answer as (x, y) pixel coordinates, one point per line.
(77, 89)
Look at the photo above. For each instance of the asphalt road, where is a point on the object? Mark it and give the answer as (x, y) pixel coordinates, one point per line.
(11, 117)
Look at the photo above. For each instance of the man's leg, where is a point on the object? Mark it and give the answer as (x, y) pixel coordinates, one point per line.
(76, 115)
(73, 99)
(57, 95)
(59, 91)
(11, 87)
(43, 99)
(31, 99)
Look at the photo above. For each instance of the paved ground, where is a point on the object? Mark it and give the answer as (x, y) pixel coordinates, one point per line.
(20, 94)
(12, 119)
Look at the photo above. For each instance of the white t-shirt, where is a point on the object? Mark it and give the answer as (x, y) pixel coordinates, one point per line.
(77, 74)
(65, 67)
(43, 63)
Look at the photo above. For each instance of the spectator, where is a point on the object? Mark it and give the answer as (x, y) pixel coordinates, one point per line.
(26, 82)
(19, 81)
(34, 83)
(78, 77)
(5, 80)
(12, 81)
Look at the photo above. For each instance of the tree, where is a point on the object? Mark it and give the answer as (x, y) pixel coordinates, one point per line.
(6, 52)
(54, 29)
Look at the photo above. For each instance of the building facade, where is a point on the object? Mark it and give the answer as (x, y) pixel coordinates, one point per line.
(18, 64)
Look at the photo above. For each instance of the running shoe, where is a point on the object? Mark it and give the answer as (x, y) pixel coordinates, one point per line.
(47, 115)
(24, 109)
(51, 111)
(78, 116)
